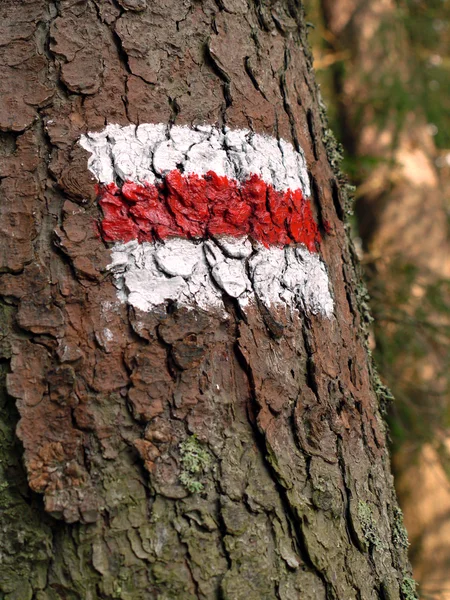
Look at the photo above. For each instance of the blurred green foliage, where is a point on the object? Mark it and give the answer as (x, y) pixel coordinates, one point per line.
(428, 26)
(412, 323)
(419, 32)
(412, 318)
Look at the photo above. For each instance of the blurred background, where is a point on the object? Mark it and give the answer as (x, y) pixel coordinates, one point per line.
(384, 71)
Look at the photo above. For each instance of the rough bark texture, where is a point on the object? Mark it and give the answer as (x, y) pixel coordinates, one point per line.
(293, 497)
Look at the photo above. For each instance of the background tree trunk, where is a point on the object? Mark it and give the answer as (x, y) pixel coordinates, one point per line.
(392, 132)
(294, 496)
(402, 207)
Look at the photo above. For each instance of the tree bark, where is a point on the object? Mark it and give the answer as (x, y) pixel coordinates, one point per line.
(176, 453)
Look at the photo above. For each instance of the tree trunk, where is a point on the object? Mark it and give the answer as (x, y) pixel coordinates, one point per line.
(173, 451)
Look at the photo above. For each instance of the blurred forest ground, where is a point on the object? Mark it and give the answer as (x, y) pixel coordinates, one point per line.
(384, 71)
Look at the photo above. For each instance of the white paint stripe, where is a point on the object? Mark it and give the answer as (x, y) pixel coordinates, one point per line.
(147, 152)
(196, 274)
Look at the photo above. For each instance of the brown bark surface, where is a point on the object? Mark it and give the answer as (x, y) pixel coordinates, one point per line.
(296, 497)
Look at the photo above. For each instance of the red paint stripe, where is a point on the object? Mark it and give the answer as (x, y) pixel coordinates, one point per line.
(195, 206)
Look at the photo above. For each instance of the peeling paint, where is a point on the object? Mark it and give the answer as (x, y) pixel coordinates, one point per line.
(196, 213)
(197, 273)
(146, 152)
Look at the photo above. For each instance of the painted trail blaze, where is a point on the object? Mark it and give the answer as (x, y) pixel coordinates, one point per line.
(196, 212)
(202, 206)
